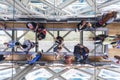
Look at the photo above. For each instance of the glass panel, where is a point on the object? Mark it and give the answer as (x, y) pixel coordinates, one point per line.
(109, 74)
(60, 8)
(40, 74)
(5, 38)
(94, 46)
(57, 69)
(88, 70)
(47, 42)
(52, 10)
(7, 73)
(75, 74)
(71, 40)
(26, 35)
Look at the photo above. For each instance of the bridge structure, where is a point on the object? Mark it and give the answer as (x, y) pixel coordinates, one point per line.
(16, 59)
(60, 18)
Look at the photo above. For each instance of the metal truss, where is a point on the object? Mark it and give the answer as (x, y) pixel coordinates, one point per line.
(21, 73)
(54, 10)
(60, 29)
(22, 35)
(54, 44)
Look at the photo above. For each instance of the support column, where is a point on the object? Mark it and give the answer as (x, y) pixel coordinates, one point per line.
(105, 46)
(81, 37)
(36, 41)
(13, 39)
(58, 33)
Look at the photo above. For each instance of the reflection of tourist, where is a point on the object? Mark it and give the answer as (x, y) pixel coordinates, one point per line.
(12, 44)
(2, 57)
(38, 28)
(81, 53)
(106, 40)
(77, 53)
(117, 44)
(41, 34)
(107, 18)
(115, 59)
(58, 46)
(89, 26)
(32, 26)
(35, 57)
(99, 38)
(118, 59)
(84, 53)
(81, 25)
(27, 46)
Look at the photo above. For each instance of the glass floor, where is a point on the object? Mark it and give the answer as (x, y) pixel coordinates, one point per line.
(12, 71)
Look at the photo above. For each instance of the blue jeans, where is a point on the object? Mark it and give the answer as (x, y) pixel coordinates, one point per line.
(77, 57)
(36, 58)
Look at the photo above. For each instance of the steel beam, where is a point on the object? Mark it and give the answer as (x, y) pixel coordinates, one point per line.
(17, 4)
(91, 3)
(58, 34)
(5, 49)
(25, 8)
(3, 2)
(22, 35)
(52, 6)
(66, 48)
(65, 4)
(36, 42)
(58, 75)
(21, 74)
(50, 48)
(25, 2)
(17, 69)
(95, 74)
(108, 3)
(81, 37)
(7, 33)
(95, 48)
(17, 7)
(101, 6)
(50, 33)
(66, 34)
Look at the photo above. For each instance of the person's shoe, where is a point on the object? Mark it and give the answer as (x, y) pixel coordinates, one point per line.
(105, 56)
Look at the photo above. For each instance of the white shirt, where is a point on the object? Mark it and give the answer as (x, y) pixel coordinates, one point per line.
(110, 20)
(28, 44)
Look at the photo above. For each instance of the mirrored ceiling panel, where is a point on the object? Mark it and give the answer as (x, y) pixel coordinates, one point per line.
(55, 9)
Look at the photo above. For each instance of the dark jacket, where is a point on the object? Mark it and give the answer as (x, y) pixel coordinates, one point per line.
(76, 50)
